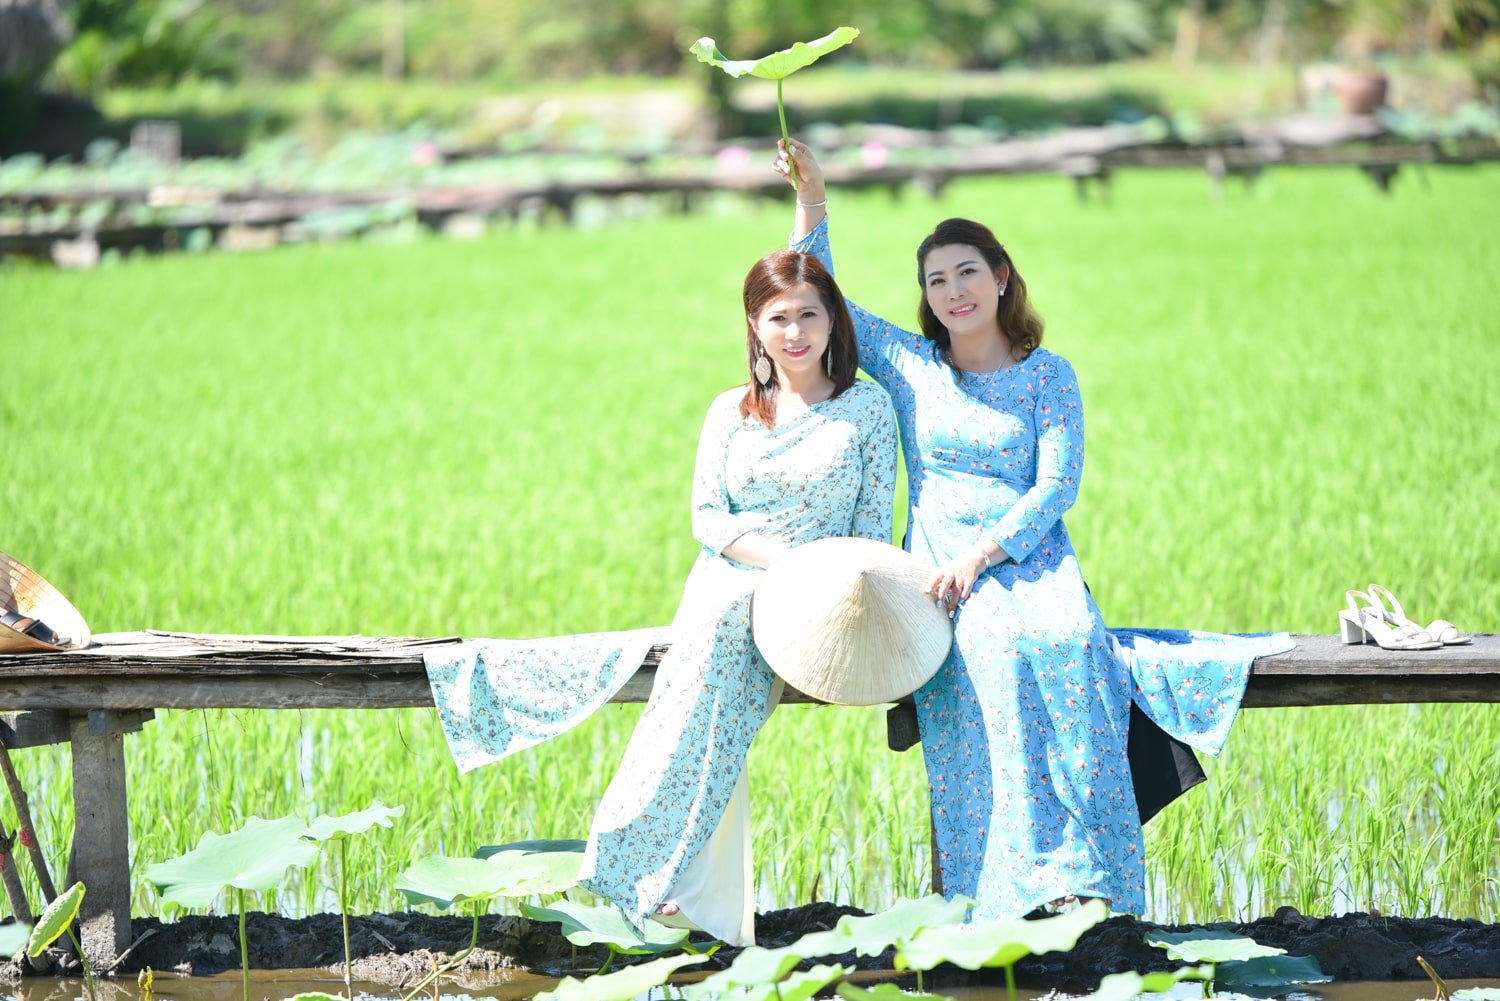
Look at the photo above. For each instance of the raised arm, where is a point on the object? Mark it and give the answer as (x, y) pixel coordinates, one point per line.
(715, 524)
(881, 343)
(877, 487)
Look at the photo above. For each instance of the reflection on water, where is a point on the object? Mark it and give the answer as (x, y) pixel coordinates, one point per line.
(272, 984)
(515, 986)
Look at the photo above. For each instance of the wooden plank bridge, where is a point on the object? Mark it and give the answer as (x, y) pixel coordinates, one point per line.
(256, 217)
(93, 697)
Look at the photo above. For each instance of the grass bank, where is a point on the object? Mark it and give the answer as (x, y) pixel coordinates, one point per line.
(1289, 394)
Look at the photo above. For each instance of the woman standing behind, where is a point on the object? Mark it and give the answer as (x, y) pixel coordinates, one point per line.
(803, 452)
(1024, 728)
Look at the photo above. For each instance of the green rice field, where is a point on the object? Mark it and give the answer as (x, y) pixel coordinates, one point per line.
(1289, 393)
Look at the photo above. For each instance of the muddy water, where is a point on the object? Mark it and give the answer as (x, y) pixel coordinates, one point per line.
(279, 984)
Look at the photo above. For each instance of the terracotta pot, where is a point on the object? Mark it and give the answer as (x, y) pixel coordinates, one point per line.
(1360, 92)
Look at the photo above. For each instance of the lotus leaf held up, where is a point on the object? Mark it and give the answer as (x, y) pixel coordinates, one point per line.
(777, 65)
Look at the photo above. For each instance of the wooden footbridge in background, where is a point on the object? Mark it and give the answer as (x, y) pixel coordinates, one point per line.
(165, 216)
(93, 697)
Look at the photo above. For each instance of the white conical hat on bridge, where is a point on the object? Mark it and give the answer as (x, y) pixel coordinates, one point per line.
(849, 621)
(34, 615)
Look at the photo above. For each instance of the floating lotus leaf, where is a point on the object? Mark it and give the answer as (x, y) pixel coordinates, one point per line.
(1476, 994)
(622, 985)
(797, 987)
(872, 935)
(324, 828)
(883, 992)
(254, 857)
(55, 920)
(444, 881)
(317, 996)
(564, 846)
(13, 938)
(867, 936)
(752, 967)
(548, 866)
(998, 943)
(1271, 972)
(1204, 946)
(777, 65)
(585, 926)
(1128, 986)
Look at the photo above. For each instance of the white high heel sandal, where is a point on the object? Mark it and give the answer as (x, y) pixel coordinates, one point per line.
(1441, 630)
(1365, 623)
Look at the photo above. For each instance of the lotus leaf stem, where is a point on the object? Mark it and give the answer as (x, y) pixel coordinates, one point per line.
(88, 975)
(344, 913)
(785, 138)
(1010, 981)
(244, 948)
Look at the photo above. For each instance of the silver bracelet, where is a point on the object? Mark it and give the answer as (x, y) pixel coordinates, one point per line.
(812, 205)
(984, 556)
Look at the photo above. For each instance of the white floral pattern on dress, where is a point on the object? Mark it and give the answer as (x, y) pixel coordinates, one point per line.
(828, 471)
(498, 697)
(1024, 727)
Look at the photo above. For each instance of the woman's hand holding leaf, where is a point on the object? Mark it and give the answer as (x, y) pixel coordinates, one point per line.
(796, 163)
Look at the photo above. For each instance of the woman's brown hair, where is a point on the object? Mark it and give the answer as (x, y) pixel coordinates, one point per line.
(1018, 321)
(776, 275)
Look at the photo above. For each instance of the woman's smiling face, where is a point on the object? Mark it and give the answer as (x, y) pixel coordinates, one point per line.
(961, 289)
(793, 329)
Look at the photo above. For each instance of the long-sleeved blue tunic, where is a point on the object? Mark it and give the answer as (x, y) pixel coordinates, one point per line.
(1024, 727)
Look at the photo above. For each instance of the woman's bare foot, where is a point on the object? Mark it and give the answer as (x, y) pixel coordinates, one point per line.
(669, 908)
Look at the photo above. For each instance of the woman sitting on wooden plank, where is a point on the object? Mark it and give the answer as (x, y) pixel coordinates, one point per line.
(803, 451)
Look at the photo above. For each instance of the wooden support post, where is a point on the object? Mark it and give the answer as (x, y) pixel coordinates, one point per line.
(1381, 175)
(101, 832)
(36, 728)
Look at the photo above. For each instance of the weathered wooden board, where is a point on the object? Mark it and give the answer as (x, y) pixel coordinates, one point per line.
(111, 687)
(154, 670)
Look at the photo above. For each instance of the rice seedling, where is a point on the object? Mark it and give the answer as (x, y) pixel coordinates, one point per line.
(496, 439)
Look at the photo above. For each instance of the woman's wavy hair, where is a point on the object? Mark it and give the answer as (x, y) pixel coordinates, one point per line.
(1018, 321)
(776, 275)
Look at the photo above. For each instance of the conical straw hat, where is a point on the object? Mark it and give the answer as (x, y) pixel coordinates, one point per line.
(849, 621)
(47, 620)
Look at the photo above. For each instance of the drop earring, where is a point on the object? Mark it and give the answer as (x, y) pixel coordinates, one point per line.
(828, 362)
(1002, 289)
(762, 368)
